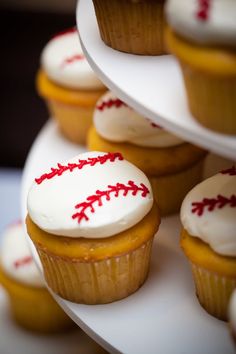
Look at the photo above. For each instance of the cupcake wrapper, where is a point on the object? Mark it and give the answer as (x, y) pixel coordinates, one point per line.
(39, 313)
(211, 99)
(131, 27)
(169, 191)
(97, 282)
(213, 291)
(73, 121)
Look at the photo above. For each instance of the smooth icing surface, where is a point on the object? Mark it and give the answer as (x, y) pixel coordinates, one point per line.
(115, 121)
(204, 21)
(64, 62)
(232, 311)
(95, 194)
(209, 212)
(16, 258)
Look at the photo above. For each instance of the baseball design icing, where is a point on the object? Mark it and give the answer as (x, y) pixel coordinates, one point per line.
(64, 62)
(209, 212)
(204, 21)
(93, 195)
(115, 121)
(16, 258)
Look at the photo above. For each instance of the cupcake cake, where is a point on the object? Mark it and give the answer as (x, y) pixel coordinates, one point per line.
(31, 304)
(202, 35)
(68, 85)
(208, 216)
(92, 220)
(172, 165)
(132, 26)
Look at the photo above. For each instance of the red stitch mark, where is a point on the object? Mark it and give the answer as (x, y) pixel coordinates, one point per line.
(23, 261)
(67, 31)
(202, 13)
(110, 103)
(72, 59)
(91, 161)
(97, 197)
(154, 125)
(230, 171)
(211, 203)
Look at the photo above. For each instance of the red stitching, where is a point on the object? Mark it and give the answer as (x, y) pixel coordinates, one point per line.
(67, 31)
(91, 161)
(230, 171)
(72, 59)
(153, 124)
(211, 203)
(110, 103)
(23, 261)
(202, 13)
(97, 197)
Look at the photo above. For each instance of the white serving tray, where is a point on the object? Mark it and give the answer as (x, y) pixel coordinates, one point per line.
(163, 316)
(152, 85)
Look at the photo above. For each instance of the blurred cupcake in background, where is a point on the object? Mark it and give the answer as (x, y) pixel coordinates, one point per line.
(208, 216)
(68, 85)
(202, 35)
(31, 305)
(172, 165)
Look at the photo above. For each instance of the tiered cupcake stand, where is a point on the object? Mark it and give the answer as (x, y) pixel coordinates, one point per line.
(163, 316)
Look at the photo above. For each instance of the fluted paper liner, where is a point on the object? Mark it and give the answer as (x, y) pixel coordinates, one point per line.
(212, 99)
(97, 282)
(131, 27)
(213, 291)
(170, 190)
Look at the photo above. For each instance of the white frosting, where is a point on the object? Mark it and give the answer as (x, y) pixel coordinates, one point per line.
(16, 258)
(232, 312)
(59, 61)
(120, 123)
(218, 27)
(51, 204)
(217, 227)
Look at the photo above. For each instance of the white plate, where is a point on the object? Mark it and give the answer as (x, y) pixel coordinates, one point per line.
(164, 315)
(151, 85)
(15, 340)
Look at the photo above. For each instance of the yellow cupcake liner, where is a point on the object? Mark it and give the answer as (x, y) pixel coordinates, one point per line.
(211, 98)
(132, 27)
(34, 308)
(97, 282)
(213, 291)
(73, 121)
(170, 190)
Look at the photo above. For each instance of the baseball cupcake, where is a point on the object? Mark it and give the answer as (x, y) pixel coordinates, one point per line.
(208, 216)
(172, 165)
(202, 35)
(92, 220)
(31, 304)
(69, 85)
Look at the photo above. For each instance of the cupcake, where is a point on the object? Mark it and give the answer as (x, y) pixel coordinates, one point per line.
(202, 35)
(31, 304)
(232, 315)
(132, 26)
(208, 216)
(68, 84)
(172, 165)
(92, 220)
